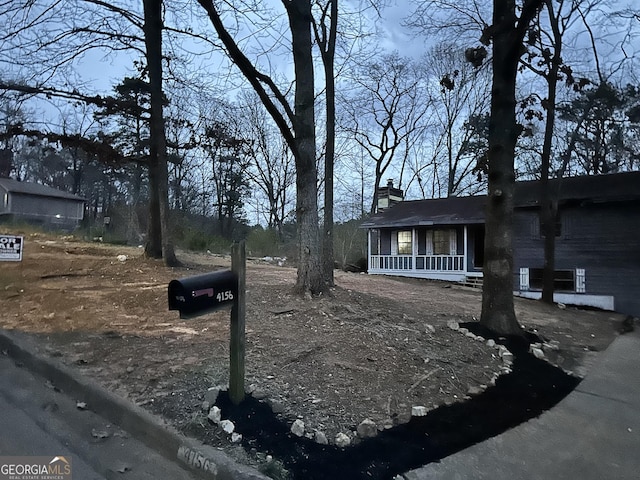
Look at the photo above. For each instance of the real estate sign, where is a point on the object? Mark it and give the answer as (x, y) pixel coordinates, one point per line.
(11, 248)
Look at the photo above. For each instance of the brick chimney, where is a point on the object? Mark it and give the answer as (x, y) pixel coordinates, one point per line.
(389, 196)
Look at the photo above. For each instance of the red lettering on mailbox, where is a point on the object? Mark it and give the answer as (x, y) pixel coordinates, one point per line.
(206, 291)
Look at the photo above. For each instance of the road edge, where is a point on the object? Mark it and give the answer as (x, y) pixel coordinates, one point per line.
(203, 460)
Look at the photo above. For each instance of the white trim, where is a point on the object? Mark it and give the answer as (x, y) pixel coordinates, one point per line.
(465, 246)
(580, 280)
(605, 302)
(450, 277)
(524, 279)
(369, 249)
(414, 245)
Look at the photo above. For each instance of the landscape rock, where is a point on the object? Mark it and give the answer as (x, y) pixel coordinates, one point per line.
(206, 406)
(491, 343)
(367, 429)
(215, 415)
(236, 437)
(537, 352)
(552, 345)
(507, 358)
(211, 395)
(99, 434)
(258, 393)
(342, 440)
(418, 411)
(453, 325)
(320, 438)
(475, 391)
(227, 426)
(463, 331)
(276, 406)
(298, 428)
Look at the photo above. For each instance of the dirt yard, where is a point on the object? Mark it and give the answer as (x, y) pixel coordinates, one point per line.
(371, 350)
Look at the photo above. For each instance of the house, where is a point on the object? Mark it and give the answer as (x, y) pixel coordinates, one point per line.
(39, 204)
(597, 240)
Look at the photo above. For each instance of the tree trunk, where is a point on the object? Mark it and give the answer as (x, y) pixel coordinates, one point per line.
(498, 313)
(153, 245)
(548, 199)
(158, 142)
(310, 273)
(328, 55)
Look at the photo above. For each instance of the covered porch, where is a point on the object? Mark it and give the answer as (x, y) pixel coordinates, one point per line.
(440, 252)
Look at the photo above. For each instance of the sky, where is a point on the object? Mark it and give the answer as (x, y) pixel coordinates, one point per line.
(100, 72)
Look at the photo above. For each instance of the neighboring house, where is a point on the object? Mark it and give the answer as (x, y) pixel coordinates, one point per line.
(39, 204)
(597, 240)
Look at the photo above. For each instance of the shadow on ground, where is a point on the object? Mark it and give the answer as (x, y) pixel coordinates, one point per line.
(531, 388)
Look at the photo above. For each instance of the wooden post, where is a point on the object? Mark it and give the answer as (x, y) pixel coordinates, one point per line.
(238, 311)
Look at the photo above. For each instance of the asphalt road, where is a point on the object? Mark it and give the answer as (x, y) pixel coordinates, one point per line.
(38, 419)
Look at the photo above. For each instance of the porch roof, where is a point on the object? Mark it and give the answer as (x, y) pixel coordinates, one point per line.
(437, 211)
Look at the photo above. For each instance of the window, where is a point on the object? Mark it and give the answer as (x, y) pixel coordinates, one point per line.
(405, 243)
(563, 280)
(441, 242)
(375, 241)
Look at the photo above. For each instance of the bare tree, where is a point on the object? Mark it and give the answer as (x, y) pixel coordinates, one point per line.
(297, 125)
(158, 170)
(385, 110)
(462, 96)
(272, 169)
(326, 30)
(507, 34)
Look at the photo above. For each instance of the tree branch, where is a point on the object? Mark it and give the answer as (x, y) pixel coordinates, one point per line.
(255, 77)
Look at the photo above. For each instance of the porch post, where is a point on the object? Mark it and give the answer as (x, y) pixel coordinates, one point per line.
(464, 251)
(368, 250)
(414, 248)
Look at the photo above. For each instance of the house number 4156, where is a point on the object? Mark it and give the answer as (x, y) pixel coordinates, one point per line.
(224, 296)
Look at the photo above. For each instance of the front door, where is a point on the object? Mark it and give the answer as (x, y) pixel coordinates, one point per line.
(477, 233)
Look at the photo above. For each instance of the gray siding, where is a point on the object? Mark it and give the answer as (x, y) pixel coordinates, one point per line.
(604, 239)
(63, 213)
(46, 207)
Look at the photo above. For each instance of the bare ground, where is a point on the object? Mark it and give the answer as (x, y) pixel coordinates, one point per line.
(373, 348)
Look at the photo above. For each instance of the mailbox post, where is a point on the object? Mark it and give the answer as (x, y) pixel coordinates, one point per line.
(238, 311)
(202, 294)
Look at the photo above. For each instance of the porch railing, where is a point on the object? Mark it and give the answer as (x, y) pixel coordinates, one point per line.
(430, 263)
